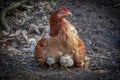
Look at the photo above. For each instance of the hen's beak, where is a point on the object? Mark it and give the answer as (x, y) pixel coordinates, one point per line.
(69, 14)
(65, 15)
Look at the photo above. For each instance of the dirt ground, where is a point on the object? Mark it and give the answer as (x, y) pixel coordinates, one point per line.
(98, 24)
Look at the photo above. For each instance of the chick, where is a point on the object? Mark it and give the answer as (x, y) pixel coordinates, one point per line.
(32, 43)
(66, 61)
(86, 61)
(50, 61)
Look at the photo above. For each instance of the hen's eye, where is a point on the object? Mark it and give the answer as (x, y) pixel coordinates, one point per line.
(62, 12)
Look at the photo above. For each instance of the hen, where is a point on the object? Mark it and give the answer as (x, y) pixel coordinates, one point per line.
(60, 38)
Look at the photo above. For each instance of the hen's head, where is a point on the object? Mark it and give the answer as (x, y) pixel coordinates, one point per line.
(61, 13)
(56, 19)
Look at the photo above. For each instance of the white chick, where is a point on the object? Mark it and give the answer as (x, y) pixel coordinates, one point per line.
(32, 43)
(66, 61)
(50, 61)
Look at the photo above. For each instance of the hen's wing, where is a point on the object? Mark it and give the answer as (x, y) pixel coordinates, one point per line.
(78, 46)
(48, 47)
(38, 52)
(39, 56)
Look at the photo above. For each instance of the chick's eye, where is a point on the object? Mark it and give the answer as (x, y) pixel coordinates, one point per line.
(67, 59)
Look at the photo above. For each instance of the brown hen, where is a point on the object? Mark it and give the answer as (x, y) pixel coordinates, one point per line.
(59, 39)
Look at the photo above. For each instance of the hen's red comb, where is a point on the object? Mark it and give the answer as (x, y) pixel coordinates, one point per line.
(64, 8)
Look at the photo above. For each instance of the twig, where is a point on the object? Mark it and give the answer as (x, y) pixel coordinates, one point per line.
(7, 39)
(3, 23)
(117, 5)
(13, 49)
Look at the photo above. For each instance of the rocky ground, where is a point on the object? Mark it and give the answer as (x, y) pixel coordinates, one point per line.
(98, 24)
